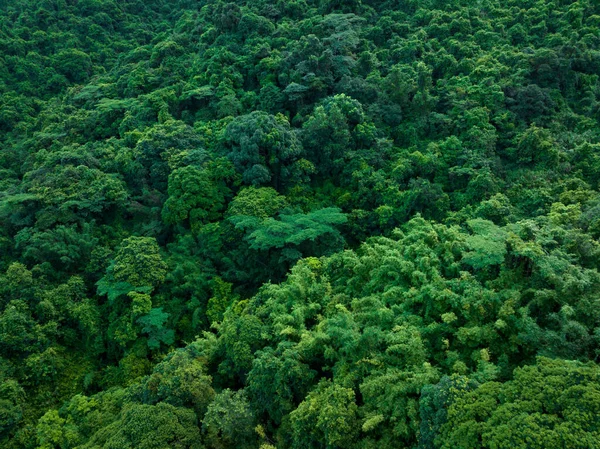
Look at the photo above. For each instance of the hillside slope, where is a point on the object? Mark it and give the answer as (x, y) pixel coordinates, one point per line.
(299, 224)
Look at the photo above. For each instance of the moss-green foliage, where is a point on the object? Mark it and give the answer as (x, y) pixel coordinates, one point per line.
(299, 224)
(551, 404)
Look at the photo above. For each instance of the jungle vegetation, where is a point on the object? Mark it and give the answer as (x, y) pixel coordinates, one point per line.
(299, 224)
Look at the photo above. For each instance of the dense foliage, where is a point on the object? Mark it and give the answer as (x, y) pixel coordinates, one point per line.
(306, 224)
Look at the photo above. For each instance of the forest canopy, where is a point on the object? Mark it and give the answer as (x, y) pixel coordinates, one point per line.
(306, 224)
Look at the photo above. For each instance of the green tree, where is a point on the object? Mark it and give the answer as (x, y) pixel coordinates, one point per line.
(264, 149)
(160, 426)
(259, 202)
(292, 229)
(138, 262)
(153, 324)
(66, 247)
(197, 196)
(551, 404)
(331, 133)
(487, 245)
(328, 418)
(536, 145)
(293, 236)
(229, 422)
(180, 380)
(12, 397)
(279, 380)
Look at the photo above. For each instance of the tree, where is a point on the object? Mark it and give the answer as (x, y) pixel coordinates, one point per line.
(536, 145)
(66, 247)
(259, 202)
(434, 403)
(74, 64)
(220, 301)
(425, 197)
(12, 397)
(551, 404)
(278, 381)
(229, 422)
(264, 149)
(141, 426)
(179, 380)
(327, 418)
(488, 245)
(531, 101)
(294, 236)
(19, 332)
(197, 196)
(153, 324)
(136, 270)
(292, 229)
(159, 147)
(138, 262)
(49, 430)
(330, 133)
(73, 191)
